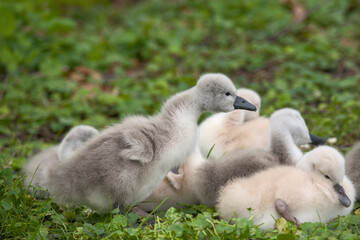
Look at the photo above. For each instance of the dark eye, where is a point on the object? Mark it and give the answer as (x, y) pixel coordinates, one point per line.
(227, 93)
(327, 176)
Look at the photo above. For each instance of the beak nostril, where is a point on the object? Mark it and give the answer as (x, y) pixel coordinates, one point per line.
(243, 101)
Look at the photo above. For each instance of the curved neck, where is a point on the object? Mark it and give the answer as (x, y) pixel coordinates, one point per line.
(184, 103)
(235, 118)
(282, 145)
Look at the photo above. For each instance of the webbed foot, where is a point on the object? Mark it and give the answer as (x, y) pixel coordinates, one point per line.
(282, 208)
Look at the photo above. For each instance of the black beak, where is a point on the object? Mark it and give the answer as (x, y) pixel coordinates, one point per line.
(343, 198)
(315, 140)
(241, 103)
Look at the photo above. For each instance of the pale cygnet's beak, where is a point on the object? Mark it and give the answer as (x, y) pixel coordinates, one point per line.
(241, 103)
(343, 198)
(315, 140)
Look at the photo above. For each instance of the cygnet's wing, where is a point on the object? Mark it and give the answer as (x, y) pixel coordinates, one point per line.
(139, 145)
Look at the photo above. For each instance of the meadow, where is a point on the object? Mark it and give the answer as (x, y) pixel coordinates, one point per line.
(70, 62)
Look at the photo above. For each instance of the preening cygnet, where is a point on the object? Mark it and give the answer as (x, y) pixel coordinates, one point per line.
(74, 140)
(38, 167)
(223, 133)
(124, 163)
(352, 167)
(287, 130)
(176, 187)
(316, 190)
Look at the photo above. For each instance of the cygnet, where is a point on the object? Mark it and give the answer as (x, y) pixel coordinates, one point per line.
(287, 131)
(316, 190)
(352, 167)
(124, 163)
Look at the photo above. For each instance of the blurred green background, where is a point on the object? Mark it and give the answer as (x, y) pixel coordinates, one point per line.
(70, 62)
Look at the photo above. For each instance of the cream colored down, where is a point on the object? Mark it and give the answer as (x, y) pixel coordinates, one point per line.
(232, 131)
(309, 195)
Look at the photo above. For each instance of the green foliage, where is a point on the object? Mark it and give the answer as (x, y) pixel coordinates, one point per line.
(64, 63)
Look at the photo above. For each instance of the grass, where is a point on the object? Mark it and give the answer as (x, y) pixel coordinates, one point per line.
(63, 63)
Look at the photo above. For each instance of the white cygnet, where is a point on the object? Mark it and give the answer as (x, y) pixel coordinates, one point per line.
(316, 190)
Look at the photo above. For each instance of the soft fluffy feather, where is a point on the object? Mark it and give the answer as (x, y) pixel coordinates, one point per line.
(310, 196)
(37, 170)
(232, 131)
(211, 176)
(352, 167)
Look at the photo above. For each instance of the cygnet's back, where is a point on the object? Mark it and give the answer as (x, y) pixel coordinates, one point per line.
(352, 167)
(211, 176)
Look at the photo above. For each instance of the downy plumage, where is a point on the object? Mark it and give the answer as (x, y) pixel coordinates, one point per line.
(352, 167)
(309, 192)
(287, 131)
(223, 133)
(37, 168)
(124, 163)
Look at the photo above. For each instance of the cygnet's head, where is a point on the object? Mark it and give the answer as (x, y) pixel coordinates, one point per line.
(77, 136)
(290, 120)
(329, 163)
(217, 93)
(252, 97)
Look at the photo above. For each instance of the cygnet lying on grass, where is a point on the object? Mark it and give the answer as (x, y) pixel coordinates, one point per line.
(223, 133)
(352, 167)
(38, 167)
(124, 163)
(287, 131)
(176, 188)
(309, 192)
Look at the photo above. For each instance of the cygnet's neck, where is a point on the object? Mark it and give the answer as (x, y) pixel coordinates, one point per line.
(305, 164)
(283, 146)
(184, 103)
(235, 118)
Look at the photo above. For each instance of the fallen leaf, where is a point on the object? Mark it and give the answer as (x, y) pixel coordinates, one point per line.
(357, 211)
(348, 42)
(299, 12)
(82, 73)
